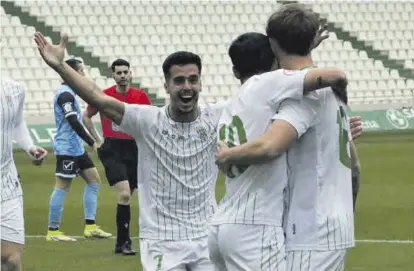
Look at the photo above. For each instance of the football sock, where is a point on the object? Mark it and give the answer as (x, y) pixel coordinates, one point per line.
(56, 208)
(90, 202)
(123, 217)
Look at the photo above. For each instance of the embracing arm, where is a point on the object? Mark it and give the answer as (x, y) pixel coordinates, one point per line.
(272, 144)
(327, 77)
(293, 120)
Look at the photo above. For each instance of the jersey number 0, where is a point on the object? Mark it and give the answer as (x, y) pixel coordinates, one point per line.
(343, 138)
(234, 134)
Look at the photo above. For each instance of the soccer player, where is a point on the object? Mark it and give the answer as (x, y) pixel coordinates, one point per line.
(319, 218)
(246, 232)
(13, 127)
(119, 153)
(176, 170)
(72, 160)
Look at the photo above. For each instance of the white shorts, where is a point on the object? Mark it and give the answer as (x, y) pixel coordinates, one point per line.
(12, 221)
(159, 255)
(310, 260)
(247, 247)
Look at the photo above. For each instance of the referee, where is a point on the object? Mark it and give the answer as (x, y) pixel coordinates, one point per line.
(118, 153)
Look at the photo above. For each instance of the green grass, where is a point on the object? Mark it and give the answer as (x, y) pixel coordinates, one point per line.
(385, 210)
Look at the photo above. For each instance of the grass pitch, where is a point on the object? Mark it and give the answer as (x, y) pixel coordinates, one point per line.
(385, 211)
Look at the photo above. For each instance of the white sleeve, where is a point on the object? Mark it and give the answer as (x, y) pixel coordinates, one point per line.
(281, 84)
(299, 113)
(217, 109)
(136, 118)
(20, 131)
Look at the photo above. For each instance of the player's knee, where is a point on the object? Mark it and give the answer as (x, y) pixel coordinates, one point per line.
(63, 184)
(124, 196)
(11, 262)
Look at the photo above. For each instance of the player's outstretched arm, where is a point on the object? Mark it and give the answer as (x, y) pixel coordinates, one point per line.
(327, 77)
(272, 144)
(53, 55)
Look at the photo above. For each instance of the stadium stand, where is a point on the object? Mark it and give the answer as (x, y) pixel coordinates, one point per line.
(373, 42)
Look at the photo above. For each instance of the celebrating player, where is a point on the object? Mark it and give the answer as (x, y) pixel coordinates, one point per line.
(13, 127)
(71, 160)
(250, 215)
(319, 220)
(119, 153)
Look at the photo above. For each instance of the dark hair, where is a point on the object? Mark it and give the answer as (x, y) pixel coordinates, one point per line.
(180, 58)
(251, 54)
(73, 63)
(119, 62)
(294, 27)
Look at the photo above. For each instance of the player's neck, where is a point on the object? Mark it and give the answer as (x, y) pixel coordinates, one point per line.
(179, 116)
(290, 62)
(122, 89)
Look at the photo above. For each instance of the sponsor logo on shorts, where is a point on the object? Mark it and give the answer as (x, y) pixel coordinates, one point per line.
(68, 165)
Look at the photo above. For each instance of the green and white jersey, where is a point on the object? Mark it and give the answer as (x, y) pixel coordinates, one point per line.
(319, 196)
(254, 194)
(176, 170)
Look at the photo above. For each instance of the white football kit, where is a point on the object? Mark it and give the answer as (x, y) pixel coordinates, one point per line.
(176, 178)
(11, 117)
(319, 221)
(246, 231)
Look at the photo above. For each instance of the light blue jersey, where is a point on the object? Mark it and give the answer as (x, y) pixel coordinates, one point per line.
(66, 142)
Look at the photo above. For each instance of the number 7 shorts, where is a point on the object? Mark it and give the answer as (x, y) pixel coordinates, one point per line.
(163, 255)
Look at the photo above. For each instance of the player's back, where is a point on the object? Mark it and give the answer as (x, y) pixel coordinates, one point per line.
(254, 194)
(66, 141)
(319, 194)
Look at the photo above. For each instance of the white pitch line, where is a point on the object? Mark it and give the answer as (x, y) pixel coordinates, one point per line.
(358, 241)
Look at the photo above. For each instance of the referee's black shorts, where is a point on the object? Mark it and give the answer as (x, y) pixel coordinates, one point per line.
(119, 158)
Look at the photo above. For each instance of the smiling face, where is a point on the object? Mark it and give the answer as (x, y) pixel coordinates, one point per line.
(184, 86)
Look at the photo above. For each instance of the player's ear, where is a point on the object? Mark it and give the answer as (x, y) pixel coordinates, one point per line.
(236, 73)
(166, 88)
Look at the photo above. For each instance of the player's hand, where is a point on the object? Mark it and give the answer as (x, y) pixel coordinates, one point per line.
(356, 127)
(320, 36)
(220, 157)
(37, 154)
(52, 54)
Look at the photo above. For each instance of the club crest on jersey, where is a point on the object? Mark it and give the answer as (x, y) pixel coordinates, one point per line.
(202, 132)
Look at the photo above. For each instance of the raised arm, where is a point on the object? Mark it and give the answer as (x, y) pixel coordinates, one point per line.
(87, 120)
(53, 55)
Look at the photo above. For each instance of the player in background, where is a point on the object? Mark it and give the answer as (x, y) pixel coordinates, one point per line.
(246, 231)
(319, 223)
(72, 160)
(119, 153)
(13, 127)
(176, 170)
